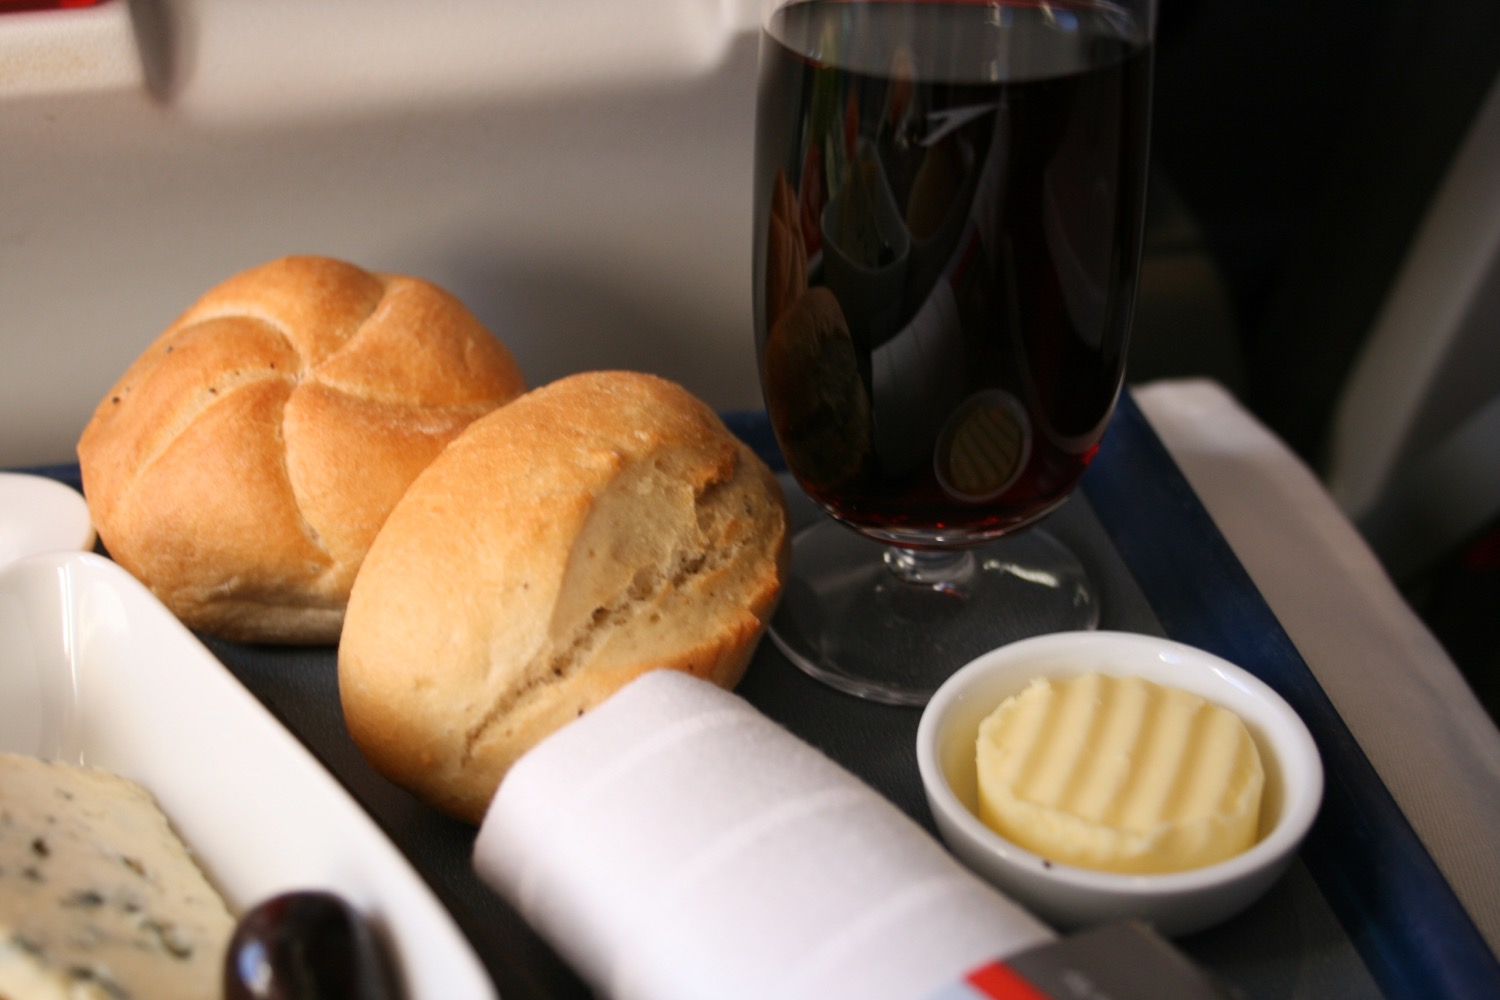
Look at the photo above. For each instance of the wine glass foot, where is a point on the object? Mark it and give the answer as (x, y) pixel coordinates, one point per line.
(890, 625)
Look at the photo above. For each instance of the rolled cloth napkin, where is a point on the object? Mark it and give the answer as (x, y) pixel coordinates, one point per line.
(676, 844)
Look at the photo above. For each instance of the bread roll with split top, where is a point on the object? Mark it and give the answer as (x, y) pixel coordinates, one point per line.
(596, 528)
(243, 464)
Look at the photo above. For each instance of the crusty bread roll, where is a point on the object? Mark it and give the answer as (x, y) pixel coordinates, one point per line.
(242, 465)
(594, 529)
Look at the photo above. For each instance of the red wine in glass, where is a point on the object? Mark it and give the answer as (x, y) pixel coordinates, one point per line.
(949, 199)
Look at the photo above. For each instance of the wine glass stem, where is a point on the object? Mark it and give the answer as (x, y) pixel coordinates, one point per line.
(947, 570)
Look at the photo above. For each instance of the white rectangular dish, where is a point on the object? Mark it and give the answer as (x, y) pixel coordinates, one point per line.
(94, 670)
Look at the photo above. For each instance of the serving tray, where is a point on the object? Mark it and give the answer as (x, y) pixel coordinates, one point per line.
(1364, 912)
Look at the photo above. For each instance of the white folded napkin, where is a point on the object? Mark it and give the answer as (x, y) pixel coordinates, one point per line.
(675, 843)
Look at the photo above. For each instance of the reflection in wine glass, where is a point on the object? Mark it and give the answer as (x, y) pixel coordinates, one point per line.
(949, 198)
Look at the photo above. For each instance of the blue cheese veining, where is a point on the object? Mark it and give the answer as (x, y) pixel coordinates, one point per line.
(98, 896)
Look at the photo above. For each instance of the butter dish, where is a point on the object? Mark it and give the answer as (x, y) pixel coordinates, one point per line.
(1069, 897)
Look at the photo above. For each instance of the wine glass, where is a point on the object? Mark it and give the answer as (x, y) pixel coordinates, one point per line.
(948, 211)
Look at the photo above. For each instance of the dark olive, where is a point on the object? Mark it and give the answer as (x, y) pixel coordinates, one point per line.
(305, 946)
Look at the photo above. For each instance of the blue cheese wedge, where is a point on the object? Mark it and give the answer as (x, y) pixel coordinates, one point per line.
(99, 898)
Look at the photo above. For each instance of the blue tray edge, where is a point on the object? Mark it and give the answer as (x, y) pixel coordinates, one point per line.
(1410, 928)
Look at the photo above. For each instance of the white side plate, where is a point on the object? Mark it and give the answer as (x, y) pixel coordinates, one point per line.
(94, 670)
(41, 515)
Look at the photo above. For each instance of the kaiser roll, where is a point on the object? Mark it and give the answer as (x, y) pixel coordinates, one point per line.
(596, 528)
(242, 465)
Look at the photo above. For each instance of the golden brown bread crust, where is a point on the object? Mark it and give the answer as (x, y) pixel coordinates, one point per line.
(596, 528)
(244, 462)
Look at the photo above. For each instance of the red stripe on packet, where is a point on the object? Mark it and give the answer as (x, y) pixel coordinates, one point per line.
(999, 982)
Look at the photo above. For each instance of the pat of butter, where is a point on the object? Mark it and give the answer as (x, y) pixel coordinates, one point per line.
(1119, 774)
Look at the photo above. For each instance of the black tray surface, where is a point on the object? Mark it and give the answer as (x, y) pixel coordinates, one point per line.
(1364, 912)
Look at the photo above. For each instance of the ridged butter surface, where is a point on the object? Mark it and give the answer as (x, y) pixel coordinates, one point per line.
(1119, 774)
